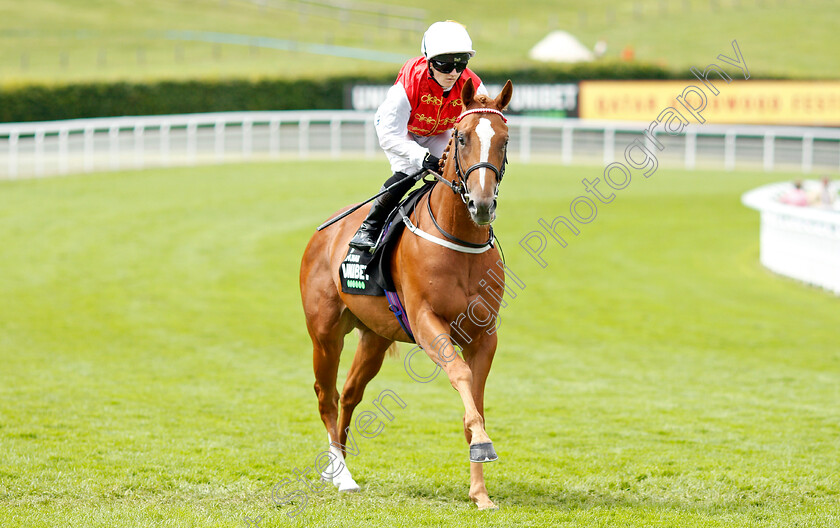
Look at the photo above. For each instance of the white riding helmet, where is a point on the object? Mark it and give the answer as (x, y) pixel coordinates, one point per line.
(448, 37)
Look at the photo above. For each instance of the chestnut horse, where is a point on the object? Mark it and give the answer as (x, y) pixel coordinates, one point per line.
(436, 283)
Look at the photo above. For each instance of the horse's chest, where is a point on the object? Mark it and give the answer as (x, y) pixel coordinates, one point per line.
(453, 297)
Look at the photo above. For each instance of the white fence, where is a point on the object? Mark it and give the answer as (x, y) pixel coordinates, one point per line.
(87, 145)
(798, 242)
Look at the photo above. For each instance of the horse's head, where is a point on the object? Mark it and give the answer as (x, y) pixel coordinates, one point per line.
(478, 149)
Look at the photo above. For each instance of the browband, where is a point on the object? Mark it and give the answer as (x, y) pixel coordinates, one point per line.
(481, 111)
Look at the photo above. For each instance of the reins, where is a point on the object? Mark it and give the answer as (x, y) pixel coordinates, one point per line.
(457, 245)
(451, 237)
(459, 187)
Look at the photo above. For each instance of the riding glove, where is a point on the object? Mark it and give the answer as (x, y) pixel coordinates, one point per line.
(431, 163)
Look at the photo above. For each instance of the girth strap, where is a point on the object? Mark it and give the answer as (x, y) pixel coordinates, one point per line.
(396, 307)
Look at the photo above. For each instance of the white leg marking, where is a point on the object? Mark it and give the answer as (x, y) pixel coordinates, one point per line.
(485, 133)
(337, 471)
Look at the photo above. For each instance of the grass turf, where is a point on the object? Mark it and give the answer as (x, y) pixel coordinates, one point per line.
(156, 369)
(82, 40)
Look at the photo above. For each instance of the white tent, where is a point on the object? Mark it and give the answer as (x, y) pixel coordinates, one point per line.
(559, 46)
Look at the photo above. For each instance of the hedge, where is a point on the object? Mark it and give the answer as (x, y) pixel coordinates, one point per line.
(46, 103)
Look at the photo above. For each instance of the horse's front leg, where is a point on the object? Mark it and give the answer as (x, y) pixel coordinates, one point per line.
(432, 334)
(479, 361)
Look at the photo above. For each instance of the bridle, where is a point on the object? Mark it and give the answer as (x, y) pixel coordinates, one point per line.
(459, 186)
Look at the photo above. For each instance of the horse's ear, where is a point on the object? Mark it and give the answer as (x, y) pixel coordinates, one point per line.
(468, 92)
(504, 96)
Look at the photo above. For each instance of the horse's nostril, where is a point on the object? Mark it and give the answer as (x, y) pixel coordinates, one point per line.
(471, 205)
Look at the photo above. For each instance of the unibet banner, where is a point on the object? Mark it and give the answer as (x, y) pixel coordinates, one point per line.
(814, 103)
(527, 98)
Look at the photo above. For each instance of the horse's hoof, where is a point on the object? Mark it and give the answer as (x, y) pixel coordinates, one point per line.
(344, 482)
(349, 486)
(483, 452)
(488, 507)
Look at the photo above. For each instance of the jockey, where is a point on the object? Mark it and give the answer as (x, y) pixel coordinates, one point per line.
(418, 112)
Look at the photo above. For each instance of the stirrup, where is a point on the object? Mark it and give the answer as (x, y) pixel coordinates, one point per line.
(367, 243)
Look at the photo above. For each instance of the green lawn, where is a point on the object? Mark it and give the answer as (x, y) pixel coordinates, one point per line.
(156, 370)
(78, 40)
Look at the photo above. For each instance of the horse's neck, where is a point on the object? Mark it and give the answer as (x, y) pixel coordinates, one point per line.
(452, 216)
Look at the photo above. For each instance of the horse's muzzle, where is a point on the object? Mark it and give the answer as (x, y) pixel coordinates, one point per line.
(482, 212)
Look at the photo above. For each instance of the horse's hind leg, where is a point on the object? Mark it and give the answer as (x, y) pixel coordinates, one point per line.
(366, 363)
(326, 355)
(325, 359)
(327, 322)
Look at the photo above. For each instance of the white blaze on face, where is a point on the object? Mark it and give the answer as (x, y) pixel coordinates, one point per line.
(484, 131)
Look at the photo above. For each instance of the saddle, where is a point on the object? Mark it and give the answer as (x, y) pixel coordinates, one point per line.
(365, 273)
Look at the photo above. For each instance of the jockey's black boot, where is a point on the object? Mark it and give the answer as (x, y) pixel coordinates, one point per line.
(368, 234)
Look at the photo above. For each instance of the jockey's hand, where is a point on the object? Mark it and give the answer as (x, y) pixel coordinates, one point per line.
(431, 163)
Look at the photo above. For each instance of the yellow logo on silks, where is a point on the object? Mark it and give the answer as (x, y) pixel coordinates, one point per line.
(425, 119)
(431, 99)
(419, 131)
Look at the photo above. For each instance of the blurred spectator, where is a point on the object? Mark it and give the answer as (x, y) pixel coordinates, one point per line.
(600, 48)
(796, 196)
(826, 195)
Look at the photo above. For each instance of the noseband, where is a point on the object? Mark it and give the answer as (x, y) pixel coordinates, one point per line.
(460, 185)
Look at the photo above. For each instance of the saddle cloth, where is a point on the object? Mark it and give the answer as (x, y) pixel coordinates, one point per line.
(364, 273)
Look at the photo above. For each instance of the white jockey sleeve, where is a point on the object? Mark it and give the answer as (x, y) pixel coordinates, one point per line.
(391, 124)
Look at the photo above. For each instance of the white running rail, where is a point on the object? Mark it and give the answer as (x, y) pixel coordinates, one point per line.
(118, 143)
(798, 242)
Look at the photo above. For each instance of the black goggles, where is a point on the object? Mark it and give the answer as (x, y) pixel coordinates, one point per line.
(447, 67)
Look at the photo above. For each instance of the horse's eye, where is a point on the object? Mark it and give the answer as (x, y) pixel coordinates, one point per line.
(461, 140)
